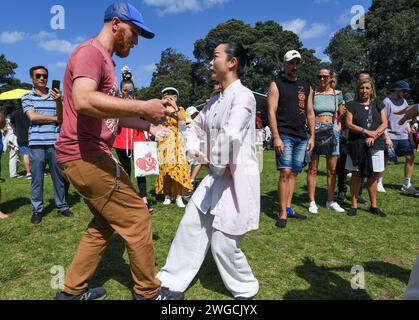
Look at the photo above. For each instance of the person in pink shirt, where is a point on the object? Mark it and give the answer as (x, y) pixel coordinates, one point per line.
(92, 114)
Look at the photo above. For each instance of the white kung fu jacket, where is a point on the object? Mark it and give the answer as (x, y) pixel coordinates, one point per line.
(231, 190)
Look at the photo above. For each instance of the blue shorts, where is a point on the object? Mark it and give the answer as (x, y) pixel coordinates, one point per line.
(294, 153)
(23, 150)
(402, 148)
(336, 150)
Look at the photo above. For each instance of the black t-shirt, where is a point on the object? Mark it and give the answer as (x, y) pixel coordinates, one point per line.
(22, 123)
(360, 114)
(292, 106)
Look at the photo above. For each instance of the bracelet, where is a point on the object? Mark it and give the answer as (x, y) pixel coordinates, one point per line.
(363, 132)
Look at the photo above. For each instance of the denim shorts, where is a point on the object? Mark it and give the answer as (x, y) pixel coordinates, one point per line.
(294, 153)
(23, 150)
(336, 150)
(402, 148)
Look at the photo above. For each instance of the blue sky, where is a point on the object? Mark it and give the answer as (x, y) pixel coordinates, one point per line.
(28, 39)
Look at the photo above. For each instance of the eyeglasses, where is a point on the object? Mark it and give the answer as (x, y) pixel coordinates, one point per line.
(322, 77)
(41, 75)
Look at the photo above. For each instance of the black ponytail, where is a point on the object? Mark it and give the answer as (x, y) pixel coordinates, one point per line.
(243, 55)
(126, 78)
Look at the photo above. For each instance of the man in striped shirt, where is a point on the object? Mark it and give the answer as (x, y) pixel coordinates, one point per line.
(40, 106)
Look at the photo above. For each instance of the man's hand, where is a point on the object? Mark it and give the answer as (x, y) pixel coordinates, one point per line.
(311, 143)
(199, 156)
(159, 132)
(278, 145)
(409, 113)
(56, 94)
(156, 112)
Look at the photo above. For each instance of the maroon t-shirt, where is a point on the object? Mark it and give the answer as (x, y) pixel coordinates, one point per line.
(82, 135)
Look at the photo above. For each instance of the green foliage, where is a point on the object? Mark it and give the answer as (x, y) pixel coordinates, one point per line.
(388, 47)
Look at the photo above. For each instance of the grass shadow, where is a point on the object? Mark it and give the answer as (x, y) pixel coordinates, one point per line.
(324, 284)
(13, 205)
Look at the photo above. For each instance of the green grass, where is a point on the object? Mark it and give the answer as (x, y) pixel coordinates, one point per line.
(308, 260)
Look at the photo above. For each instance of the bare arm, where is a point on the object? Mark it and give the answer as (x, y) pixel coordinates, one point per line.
(311, 118)
(87, 100)
(2, 120)
(135, 123)
(273, 100)
(39, 118)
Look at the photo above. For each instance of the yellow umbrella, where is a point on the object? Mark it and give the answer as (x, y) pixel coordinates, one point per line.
(13, 94)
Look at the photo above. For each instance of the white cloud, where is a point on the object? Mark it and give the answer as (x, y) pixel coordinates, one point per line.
(179, 6)
(57, 45)
(149, 68)
(296, 25)
(316, 30)
(303, 30)
(12, 37)
(43, 36)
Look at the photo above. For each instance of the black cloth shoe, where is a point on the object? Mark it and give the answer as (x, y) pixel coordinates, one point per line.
(36, 218)
(91, 294)
(352, 212)
(361, 200)
(378, 212)
(67, 213)
(341, 196)
(165, 294)
(281, 223)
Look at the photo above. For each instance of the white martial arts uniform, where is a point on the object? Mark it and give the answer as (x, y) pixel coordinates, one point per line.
(226, 204)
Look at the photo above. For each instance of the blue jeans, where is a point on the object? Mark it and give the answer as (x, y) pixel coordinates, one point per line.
(38, 157)
(294, 153)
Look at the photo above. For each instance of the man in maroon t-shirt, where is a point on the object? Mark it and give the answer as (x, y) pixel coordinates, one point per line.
(92, 113)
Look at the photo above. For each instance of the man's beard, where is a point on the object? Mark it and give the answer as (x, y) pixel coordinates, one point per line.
(122, 48)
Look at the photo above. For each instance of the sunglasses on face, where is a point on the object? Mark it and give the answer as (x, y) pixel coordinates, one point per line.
(322, 77)
(41, 75)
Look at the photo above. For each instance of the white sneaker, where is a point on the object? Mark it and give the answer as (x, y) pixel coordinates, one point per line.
(179, 202)
(349, 175)
(313, 208)
(411, 190)
(333, 205)
(380, 188)
(167, 201)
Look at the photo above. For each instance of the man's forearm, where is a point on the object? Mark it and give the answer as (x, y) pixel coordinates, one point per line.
(312, 123)
(37, 118)
(273, 125)
(100, 105)
(135, 123)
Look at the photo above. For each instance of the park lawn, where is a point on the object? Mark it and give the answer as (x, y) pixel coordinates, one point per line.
(309, 259)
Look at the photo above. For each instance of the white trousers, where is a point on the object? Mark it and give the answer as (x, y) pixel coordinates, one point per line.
(412, 291)
(194, 237)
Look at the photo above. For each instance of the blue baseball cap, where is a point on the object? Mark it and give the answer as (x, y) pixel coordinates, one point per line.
(127, 12)
(401, 86)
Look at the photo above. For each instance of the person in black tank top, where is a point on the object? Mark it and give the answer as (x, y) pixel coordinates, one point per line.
(290, 104)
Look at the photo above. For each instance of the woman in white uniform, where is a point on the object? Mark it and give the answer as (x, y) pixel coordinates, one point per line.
(226, 204)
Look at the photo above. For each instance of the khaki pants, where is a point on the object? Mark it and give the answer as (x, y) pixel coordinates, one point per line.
(122, 211)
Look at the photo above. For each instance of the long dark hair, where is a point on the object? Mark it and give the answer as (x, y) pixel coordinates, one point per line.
(243, 55)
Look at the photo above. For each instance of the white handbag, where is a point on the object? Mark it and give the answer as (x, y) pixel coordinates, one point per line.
(145, 159)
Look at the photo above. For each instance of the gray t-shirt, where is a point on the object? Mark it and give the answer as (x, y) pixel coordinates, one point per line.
(396, 131)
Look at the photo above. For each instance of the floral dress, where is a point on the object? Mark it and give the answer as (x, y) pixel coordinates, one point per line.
(174, 176)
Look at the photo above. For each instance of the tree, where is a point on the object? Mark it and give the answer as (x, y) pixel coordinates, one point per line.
(7, 79)
(173, 70)
(268, 41)
(392, 39)
(348, 55)
(388, 47)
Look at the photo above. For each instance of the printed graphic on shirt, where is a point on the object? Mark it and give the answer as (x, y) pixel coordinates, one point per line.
(302, 100)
